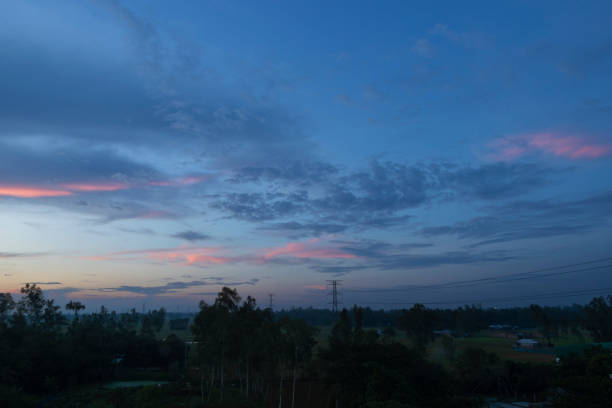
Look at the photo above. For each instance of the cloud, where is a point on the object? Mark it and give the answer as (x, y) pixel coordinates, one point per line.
(592, 57)
(20, 254)
(494, 181)
(422, 46)
(372, 93)
(144, 92)
(191, 236)
(111, 146)
(366, 198)
(400, 261)
(173, 287)
(567, 146)
(45, 283)
(31, 192)
(314, 248)
(378, 196)
(343, 57)
(260, 206)
(337, 270)
(302, 172)
(104, 186)
(343, 99)
(380, 255)
(177, 287)
(68, 168)
(467, 40)
(141, 231)
(316, 287)
(187, 256)
(382, 188)
(300, 230)
(518, 220)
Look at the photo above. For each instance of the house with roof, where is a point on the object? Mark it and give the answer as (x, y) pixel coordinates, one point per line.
(527, 344)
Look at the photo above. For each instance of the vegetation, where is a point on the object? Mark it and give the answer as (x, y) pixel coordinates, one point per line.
(246, 356)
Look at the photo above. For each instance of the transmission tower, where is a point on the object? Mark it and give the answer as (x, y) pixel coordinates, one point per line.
(332, 286)
(271, 301)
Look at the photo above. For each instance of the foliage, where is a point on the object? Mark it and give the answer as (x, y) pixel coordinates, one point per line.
(584, 379)
(419, 324)
(243, 355)
(599, 318)
(41, 352)
(249, 342)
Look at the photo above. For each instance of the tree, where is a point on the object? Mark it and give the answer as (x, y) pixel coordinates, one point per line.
(76, 307)
(38, 310)
(599, 318)
(299, 339)
(228, 299)
(388, 334)
(419, 323)
(545, 323)
(32, 303)
(213, 328)
(342, 332)
(7, 305)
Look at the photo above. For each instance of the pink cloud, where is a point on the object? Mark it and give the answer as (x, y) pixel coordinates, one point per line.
(191, 256)
(66, 189)
(85, 186)
(568, 146)
(97, 258)
(177, 182)
(309, 249)
(31, 192)
(153, 214)
(316, 287)
(184, 255)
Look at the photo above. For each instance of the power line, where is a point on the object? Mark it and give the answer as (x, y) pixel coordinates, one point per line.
(536, 296)
(498, 279)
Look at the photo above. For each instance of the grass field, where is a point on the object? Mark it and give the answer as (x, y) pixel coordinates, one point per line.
(501, 346)
(491, 342)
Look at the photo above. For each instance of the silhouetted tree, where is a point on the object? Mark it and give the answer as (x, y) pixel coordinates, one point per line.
(419, 323)
(599, 318)
(75, 307)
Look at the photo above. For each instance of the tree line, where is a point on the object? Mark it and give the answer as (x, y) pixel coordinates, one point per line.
(249, 356)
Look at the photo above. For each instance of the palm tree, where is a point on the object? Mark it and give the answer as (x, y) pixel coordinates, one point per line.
(76, 307)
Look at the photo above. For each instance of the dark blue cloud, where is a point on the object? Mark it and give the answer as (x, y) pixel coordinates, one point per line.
(175, 286)
(296, 230)
(39, 164)
(378, 196)
(21, 254)
(518, 220)
(191, 236)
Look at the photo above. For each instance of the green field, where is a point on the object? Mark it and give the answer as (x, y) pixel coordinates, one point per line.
(489, 341)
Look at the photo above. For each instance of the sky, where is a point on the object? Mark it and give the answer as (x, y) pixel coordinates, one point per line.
(446, 153)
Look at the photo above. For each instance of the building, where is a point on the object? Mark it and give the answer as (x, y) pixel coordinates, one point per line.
(527, 344)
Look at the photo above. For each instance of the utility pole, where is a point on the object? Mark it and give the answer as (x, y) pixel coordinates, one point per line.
(271, 301)
(332, 285)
